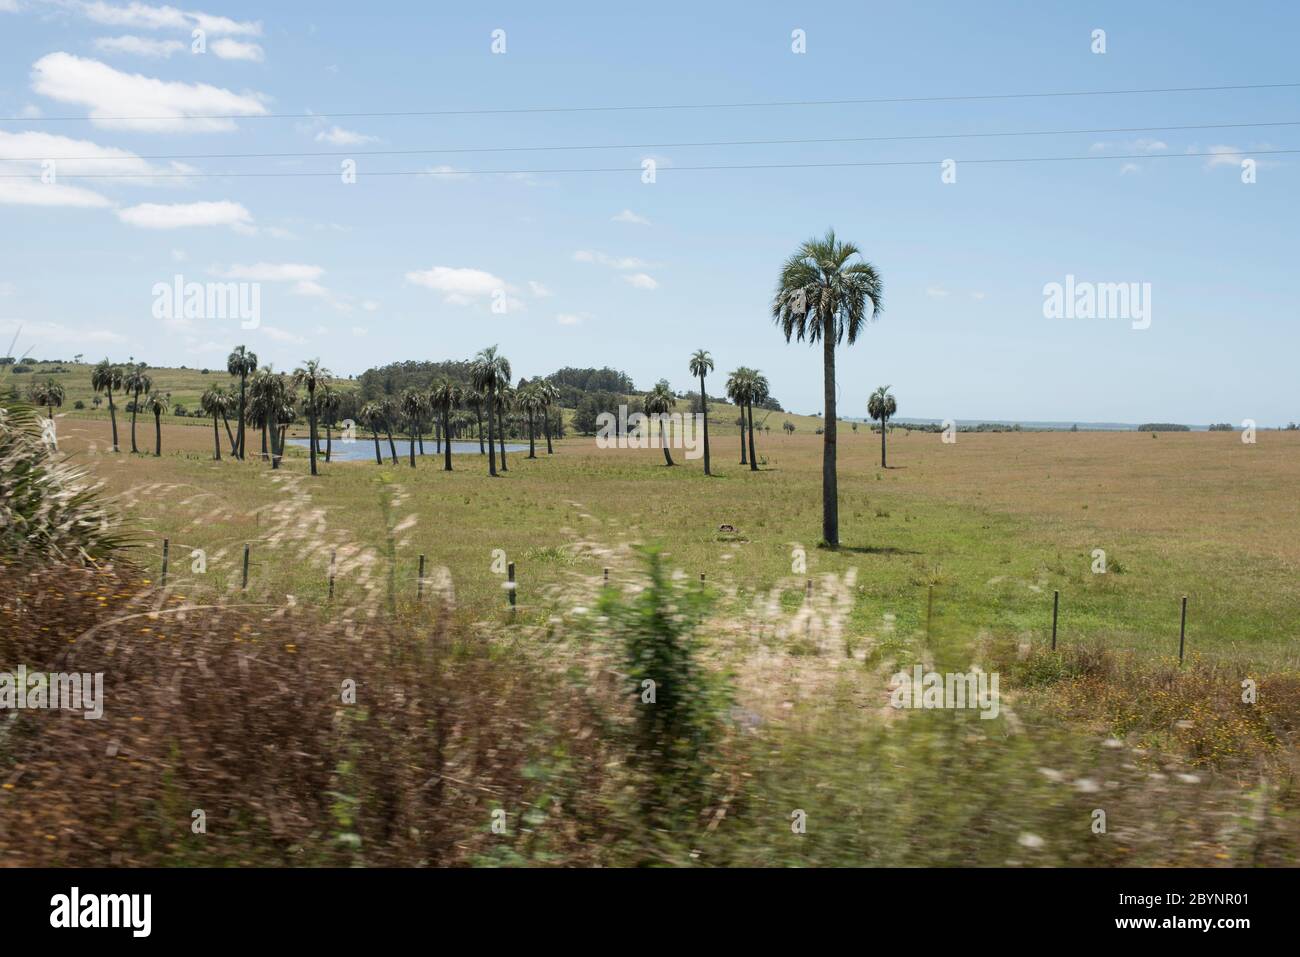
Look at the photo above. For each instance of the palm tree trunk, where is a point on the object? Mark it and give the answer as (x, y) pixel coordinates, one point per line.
(753, 459)
(157, 427)
(446, 446)
(216, 440)
(379, 459)
(413, 445)
(421, 434)
(135, 407)
(265, 457)
(663, 443)
(743, 460)
(311, 427)
(112, 414)
(704, 410)
(329, 441)
(501, 436)
(243, 414)
(546, 422)
(532, 448)
(392, 446)
(830, 489)
(492, 459)
(882, 444)
(234, 448)
(478, 411)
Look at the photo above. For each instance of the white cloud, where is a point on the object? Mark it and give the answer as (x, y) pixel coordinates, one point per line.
(146, 17)
(228, 49)
(279, 335)
(639, 280)
(273, 272)
(8, 6)
(461, 286)
(30, 150)
(107, 92)
(139, 46)
(570, 318)
(624, 262)
(936, 293)
(55, 333)
(182, 215)
(538, 289)
(444, 171)
(32, 192)
(627, 216)
(337, 136)
(1129, 168)
(1222, 155)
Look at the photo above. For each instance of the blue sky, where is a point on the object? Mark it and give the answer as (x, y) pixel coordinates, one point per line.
(603, 269)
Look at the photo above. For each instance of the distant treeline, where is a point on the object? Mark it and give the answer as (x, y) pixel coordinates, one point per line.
(1164, 427)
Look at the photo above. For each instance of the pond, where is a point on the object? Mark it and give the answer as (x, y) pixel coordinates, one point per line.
(364, 449)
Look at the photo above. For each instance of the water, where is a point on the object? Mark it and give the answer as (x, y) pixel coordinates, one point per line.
(364, 449)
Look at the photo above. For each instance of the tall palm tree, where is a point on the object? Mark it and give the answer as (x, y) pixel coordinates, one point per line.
(327, 407)
(243, 364)
(314, 376)
(550, 395)
(701, 365)
(214, 402)
(531, 401)
(660, 401)
(389, 409)
(372, 416)
(286, 415)
(738, 384)
(137, 381)
(445, 397)
(473, 398)
(505, 403)
(881, 407)
(758, 391)
(822, 294)
(159, 402)
(105, 378)
(49, 394)
(487, 369)
(412, 405)
(263, 406)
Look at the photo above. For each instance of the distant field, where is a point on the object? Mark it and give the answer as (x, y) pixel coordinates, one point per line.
(979, 532)
(187, 385)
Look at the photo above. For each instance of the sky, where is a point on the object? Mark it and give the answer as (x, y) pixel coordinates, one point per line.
(562, 267)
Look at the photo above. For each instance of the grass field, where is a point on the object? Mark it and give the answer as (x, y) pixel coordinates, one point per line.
(777, 671)
(982, 530)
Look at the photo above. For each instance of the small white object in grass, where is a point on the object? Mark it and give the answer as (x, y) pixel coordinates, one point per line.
(1032, 841)
(1086, 785)
(1189, 778)
(1113, 743)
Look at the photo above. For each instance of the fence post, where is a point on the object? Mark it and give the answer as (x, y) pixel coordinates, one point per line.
(606, 576)
(419, 582)
(332, 556)
(1182, 631)
(1056, 605)
(245, 584)
(166, 549)
(807, 588)
(510, 584)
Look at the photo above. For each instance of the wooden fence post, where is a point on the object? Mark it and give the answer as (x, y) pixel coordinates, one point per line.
(510, 584)
(419, 582)
(1056, 605)
(245, 584)
(166, 550)
(1182, 631)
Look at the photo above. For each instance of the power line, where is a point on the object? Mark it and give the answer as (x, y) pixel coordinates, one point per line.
(663, 106)
(637, 169)
(619, 146)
